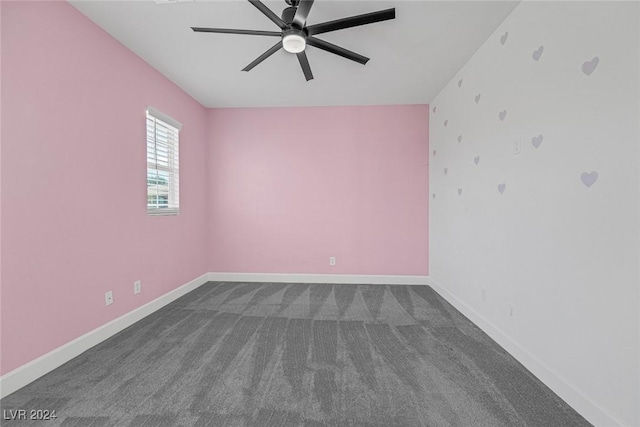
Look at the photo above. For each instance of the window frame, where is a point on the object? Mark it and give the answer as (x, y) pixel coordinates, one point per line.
(169, 167)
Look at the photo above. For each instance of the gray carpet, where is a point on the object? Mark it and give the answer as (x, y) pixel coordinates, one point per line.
(274, 354)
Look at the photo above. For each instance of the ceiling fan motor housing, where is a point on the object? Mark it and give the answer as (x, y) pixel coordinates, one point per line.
(293, 39)
(288, 14)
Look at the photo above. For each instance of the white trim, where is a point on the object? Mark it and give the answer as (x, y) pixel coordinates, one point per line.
(167, 119)
(560, 385)
(25, 374)
(33, 370)
(318, 278)
(163, 211)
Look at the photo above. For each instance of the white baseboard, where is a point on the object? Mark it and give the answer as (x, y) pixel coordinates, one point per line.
(318, 278)
(33, 370)
(44, 364)
(563, 388)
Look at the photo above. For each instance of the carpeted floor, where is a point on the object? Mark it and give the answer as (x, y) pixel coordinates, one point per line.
(274, 354)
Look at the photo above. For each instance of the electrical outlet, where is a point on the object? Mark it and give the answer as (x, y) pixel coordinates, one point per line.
(137, 287)
(108, 298)
(517, 147)
(332, 260)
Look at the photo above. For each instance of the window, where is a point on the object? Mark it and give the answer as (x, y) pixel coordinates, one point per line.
(163, 196)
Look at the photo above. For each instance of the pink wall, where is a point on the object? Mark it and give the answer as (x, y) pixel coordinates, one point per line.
(290, 187)
(74, 221)
(262, 190)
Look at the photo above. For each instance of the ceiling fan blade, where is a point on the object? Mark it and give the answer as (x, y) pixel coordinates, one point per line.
(304, 63)
(233, 31)
(269, 14)
(352, 21)
(276, 47)
(330, 47)
(302, 12)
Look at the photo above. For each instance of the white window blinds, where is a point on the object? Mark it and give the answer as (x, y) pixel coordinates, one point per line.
(163, 174)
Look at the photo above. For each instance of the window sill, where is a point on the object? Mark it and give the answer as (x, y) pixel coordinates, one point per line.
(162, 212)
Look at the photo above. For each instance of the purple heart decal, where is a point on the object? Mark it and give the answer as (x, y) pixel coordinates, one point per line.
(589, 66)
(459, 138)
(537, 140)
(503, 38)
(434, 109)
(589, 179)
(538, 53)
(501, 188)
(434, 152)
(476, 159)
(445, 122)
(460, 83)
(459, 191)
(446, 170)
(502, 115)
(477, 98)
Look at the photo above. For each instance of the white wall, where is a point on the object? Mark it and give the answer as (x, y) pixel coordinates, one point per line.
(562, 253)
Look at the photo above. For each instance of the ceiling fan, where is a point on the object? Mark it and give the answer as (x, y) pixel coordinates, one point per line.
(295, 35)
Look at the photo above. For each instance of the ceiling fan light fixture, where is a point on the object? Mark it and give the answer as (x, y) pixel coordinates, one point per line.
(294, 42)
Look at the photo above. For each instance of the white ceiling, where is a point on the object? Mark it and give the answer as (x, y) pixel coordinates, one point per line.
(412, 57)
